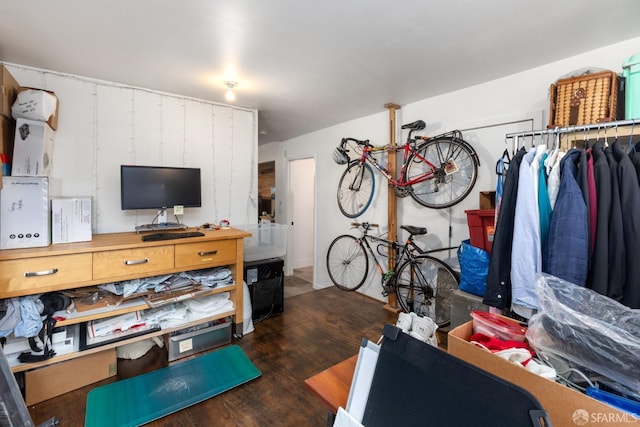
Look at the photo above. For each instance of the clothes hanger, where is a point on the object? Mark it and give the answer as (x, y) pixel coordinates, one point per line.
(632, 148)
(502, 163)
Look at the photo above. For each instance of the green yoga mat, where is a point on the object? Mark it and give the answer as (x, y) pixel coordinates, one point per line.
(147, 397)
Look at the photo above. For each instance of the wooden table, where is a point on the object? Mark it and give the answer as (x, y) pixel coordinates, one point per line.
(333, 384)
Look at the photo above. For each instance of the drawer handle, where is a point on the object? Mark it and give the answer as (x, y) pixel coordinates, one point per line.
(40, 273)
(202, 253)
(136, 261)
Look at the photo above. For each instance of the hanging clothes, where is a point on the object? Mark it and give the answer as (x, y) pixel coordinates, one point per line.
(498, 293)
(635, 159)
(630, 205)
(616, 258)
(501, 171)
(526, 257)
(594, 228)
(568, 232)
(553, 180)
(586, 182)
(544, 207)
(599, 273)
(593, 201)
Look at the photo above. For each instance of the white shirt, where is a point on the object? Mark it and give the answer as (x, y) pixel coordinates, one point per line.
(526, 256)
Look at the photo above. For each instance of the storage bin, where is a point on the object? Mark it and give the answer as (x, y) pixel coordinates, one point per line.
(481, 228)
(493, 325)
(196, 339)
(631, 73)
(266, 241)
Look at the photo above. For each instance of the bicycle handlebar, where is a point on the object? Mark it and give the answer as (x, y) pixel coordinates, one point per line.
(357, 141)
(365, 225)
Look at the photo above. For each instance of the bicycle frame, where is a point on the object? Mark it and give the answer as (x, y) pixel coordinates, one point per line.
(402, 251)
(408, 149)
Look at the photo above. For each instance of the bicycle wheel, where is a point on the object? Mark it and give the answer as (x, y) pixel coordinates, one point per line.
(425, 285)
(355, 189)
(347, 263)
(446, 169)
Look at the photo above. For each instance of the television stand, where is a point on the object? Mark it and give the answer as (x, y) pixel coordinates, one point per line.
(166, 226)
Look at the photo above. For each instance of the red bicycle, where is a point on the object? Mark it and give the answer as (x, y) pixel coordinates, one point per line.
(437, 172)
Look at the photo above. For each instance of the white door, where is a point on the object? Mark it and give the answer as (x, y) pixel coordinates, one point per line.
(300, 201)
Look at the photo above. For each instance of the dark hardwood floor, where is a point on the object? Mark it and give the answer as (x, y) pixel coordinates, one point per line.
(317, 330)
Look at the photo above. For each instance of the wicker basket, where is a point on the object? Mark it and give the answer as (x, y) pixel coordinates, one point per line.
(588, 99)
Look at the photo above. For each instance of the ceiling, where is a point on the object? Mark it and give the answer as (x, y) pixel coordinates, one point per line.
(307, 65)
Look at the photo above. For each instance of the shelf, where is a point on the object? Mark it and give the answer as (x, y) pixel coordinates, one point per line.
(27, 366)
(126, 307)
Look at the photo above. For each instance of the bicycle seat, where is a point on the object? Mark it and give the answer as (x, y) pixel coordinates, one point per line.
(414, 231)
(417, 125)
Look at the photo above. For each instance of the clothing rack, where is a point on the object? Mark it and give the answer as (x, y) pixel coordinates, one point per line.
(558, 131)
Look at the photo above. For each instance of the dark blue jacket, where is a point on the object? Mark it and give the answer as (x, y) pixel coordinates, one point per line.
(568, 250)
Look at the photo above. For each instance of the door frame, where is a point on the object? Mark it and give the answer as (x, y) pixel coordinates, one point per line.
(288, 265)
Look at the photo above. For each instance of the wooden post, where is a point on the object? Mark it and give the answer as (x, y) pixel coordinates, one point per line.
(392, 208)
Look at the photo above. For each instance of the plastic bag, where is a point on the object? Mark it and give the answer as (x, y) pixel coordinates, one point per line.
(579, 328)
(474, 266)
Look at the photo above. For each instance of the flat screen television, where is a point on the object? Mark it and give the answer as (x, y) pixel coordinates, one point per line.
(159, 187)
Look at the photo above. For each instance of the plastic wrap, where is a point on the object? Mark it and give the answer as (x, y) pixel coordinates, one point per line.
(587, 330)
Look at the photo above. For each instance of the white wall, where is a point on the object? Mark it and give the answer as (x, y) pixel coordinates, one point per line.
(483, 112)
(103, 125)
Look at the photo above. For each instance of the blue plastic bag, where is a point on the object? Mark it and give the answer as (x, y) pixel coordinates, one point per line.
(474, 266)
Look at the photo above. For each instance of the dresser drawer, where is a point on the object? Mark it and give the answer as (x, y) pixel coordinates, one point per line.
(128, 262)
(205, 254)
(41, 274)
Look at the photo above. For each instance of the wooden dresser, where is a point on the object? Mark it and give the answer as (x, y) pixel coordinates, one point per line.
(116, 257)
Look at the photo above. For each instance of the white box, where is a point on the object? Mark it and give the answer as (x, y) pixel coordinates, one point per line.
(24, 212)
(70, 219)
(66, 342)
(32, 148)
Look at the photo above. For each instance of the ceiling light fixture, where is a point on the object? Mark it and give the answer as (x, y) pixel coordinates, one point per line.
(230, 94)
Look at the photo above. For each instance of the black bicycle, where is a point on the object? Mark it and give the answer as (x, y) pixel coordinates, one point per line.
(422, 283)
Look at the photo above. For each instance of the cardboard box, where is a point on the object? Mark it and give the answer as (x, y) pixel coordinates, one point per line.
(32, 148)
(8, 91)
(59, 378)
(24, 212)
(487, 200)
(53, 119)
(565, 406)
(71, 219)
